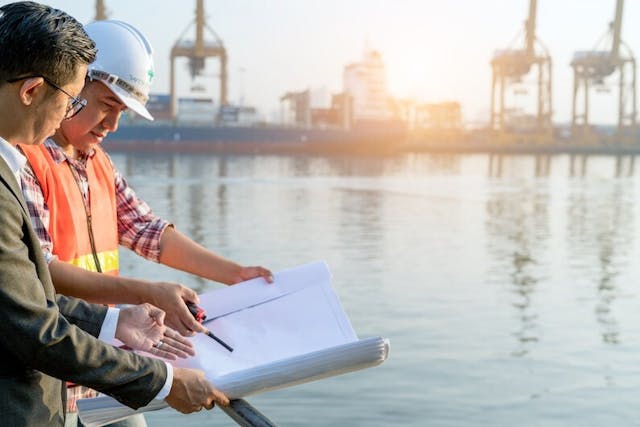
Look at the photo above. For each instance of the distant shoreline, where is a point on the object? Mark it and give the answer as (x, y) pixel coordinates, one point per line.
(373, 149)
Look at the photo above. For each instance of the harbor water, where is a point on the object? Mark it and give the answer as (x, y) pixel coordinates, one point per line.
(508, 287)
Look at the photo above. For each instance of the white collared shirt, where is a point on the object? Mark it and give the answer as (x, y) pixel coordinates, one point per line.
(13, 157)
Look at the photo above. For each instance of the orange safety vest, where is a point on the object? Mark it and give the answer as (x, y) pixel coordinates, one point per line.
(68, 225)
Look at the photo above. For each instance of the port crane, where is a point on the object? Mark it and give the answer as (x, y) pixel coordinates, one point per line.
(197, 51)
(591, 68)
(510, 66)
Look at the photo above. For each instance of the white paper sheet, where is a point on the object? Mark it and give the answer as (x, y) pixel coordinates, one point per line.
(285, 333)
(298, 313)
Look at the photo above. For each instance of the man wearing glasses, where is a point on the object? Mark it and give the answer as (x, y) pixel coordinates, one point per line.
(83, 209)
(44, 337)
(70, 176)
(75, 104)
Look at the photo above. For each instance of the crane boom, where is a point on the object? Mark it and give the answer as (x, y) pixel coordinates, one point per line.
(530, 29)
(199, 44)
(617, 29)
(101, 11)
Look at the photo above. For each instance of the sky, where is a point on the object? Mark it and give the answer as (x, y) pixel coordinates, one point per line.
(434, 50)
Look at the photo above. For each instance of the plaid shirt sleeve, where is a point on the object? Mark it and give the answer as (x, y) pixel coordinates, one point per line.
(138, 227)
(38, 210)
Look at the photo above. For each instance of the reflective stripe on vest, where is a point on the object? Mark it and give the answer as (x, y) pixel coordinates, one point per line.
(108, 261)
(68, 220)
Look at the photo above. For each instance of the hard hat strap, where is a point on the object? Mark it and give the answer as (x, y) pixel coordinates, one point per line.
(115, 80)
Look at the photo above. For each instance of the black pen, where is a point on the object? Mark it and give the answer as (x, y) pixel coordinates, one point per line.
(199, 314)
(219, 341)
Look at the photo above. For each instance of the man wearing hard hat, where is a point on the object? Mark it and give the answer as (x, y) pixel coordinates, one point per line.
(45, 337)
(82, 207)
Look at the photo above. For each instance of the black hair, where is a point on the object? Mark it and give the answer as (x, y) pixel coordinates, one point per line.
(36, 39)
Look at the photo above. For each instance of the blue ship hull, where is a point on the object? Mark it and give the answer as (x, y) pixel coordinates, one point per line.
(379, 137)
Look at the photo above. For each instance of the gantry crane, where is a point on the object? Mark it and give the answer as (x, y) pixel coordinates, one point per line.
(197, 51)
(510, 66)
(591, 68)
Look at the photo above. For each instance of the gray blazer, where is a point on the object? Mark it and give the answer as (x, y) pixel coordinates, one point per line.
(45, 338)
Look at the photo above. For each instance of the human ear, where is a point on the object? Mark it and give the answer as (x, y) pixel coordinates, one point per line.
(29, 89)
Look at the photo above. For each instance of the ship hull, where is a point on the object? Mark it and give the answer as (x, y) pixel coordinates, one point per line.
(373, 139)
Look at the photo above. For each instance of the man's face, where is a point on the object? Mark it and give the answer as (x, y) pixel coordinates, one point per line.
(51, 111)
(91, 125)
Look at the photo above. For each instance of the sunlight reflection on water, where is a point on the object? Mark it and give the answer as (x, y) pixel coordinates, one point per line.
(506, 285)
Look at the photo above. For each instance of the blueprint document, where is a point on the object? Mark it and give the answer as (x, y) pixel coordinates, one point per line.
(286, 333)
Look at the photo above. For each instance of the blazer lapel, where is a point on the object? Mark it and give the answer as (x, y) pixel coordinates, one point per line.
(9, 180)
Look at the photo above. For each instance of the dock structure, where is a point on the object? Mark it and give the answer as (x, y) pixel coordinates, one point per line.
(521, 70)
(510, 68)
(590, 71)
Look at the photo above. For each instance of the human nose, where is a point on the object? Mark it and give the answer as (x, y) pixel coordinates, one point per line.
(110, 122)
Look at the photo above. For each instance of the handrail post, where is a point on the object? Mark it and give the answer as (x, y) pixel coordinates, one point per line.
(246, 415)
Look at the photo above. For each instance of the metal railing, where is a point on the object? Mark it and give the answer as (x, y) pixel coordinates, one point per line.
(246, 415)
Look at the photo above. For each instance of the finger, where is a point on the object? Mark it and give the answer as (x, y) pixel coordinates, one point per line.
(186, 343)
(189, 295)
(173, 352)
(268, 276)
(199, 328)
(170, 349)
(163, 353)
(210, 404)
(188, 321)
(157, 314)
(259, 271)
(172, 321)
(193, 408)
(177, 348)
(182, 326)
(183, 330)
(178, 325)
(220, 398)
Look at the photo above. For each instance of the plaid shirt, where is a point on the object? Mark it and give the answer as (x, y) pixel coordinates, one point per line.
(75, 392)
(139, 229)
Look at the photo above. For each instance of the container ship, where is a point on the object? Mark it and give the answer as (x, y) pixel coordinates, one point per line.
(362, 138)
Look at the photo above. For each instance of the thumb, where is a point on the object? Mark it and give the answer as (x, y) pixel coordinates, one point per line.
(190, 295)
(157, 314)
(201, 328)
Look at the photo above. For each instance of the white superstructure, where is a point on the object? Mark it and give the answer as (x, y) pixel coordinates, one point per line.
(365, 83)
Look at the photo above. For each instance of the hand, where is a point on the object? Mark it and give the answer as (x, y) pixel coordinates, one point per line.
(171, 346)
(190, 392)
(246, 273)
(141, 327)
(171, 298)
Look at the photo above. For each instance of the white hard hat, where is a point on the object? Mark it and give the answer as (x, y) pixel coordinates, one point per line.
(124, 62)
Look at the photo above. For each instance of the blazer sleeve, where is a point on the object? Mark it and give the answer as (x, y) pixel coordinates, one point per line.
(88, 317)
(35, 335)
